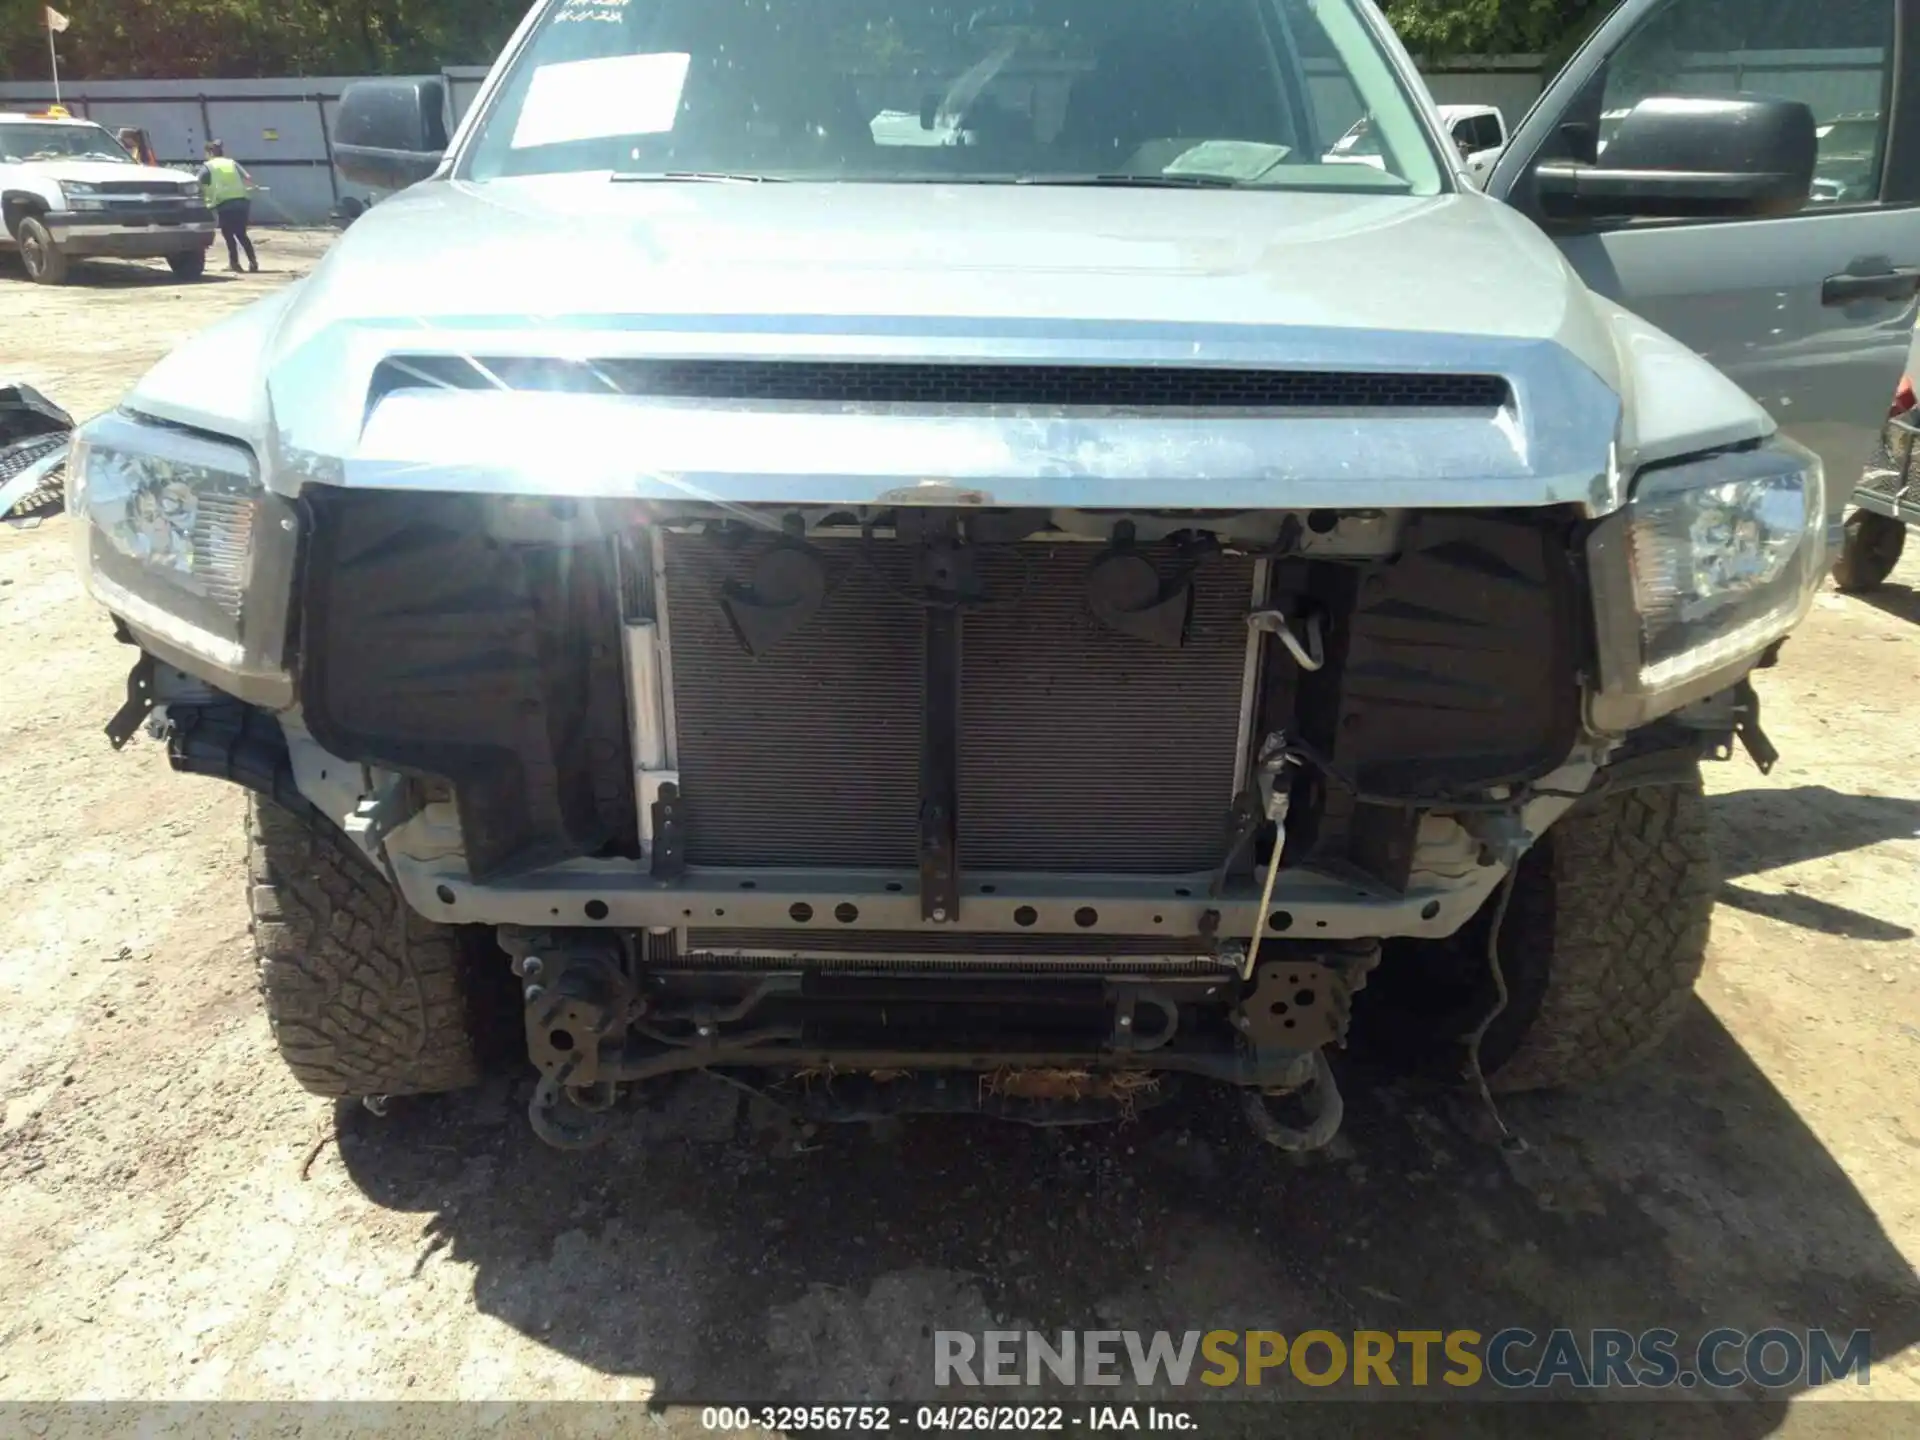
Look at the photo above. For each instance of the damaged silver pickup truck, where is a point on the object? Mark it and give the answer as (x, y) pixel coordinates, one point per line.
(953, 556)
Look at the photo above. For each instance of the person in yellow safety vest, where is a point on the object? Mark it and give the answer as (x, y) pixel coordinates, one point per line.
(227, 185)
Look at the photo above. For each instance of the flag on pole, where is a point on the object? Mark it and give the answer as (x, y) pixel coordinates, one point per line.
(56, 23)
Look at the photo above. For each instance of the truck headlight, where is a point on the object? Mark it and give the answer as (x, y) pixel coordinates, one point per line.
(178, 537)
(1711, 562)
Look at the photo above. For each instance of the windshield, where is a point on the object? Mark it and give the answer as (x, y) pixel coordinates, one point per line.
(39, 140)
(1359, 142)
(1152, 92)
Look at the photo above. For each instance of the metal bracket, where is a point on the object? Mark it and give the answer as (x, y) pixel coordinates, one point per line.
(576, 995)
(940, 747)
(139, 703)
(1503, 835)
(1295, 1005)
(1729, 715)
(378, 815)
(1746, 728)
(1244, 819)
(1129, 1002)
(669, 842)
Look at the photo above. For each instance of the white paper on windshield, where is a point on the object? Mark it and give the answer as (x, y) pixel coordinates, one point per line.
(597, 99)
(1230, 159)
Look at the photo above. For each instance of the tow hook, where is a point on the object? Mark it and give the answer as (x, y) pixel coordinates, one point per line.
(570, 1117)
(1301, 1004)
(578, 998)
(1311, 1086)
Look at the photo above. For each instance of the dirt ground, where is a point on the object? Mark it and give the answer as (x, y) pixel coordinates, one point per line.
(170, 1231)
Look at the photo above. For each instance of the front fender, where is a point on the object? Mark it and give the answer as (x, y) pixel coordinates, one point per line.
(216, 380)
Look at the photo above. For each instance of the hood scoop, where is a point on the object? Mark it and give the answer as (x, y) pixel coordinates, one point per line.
(1155, 389)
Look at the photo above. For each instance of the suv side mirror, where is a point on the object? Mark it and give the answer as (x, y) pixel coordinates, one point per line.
(1679, 156)
(388, 134)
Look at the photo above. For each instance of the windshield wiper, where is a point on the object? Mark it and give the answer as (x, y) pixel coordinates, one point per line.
(1156, 182)
(704, 177)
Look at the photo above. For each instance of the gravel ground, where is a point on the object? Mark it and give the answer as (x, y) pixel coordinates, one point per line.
(182, 1223)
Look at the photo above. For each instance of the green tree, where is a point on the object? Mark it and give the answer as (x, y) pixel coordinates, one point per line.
(187, 39)
(217, 39)
(1441, 29)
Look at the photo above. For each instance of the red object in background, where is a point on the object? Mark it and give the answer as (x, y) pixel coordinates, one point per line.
(136, 143)
(1903, 398)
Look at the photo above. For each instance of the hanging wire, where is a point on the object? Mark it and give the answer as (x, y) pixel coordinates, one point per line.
(1306, 754)
(1474, 1037)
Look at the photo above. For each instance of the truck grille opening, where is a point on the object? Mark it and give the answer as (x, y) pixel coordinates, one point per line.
(483, 641)
(168, 188)
(1081, 750)
(1130, 387)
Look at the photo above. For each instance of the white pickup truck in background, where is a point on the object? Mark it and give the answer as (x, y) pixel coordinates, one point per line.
(1479, 133)
(69, 189)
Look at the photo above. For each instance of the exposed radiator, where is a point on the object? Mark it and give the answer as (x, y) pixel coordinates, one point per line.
(1081, 749)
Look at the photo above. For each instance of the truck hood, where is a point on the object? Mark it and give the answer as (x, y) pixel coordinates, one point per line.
(97, 172)
(586, 268)
(590, 247)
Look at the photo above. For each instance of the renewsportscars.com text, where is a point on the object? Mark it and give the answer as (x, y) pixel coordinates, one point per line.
(1511, 1358)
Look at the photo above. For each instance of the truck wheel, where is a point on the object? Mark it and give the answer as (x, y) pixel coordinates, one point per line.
(1604, 937)
(45, 262)
(1602, 942)
(188, 264)
(354, 1010)
(1872, 549)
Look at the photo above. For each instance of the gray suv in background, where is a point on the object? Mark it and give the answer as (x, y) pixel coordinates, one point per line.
(952, 556)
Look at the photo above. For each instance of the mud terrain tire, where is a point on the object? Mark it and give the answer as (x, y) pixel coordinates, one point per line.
(1601, 945)
(1870, 552)
(1605, 936)
(354, 1011)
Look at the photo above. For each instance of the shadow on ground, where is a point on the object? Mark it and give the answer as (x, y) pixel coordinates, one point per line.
(1900, 601)
(1760, 830)
(108, 274)
(725, 1254)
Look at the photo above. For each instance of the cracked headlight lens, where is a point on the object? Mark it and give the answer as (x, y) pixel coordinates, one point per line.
(178, 536)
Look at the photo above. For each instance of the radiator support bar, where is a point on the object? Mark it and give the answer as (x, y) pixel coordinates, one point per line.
(940, 737)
